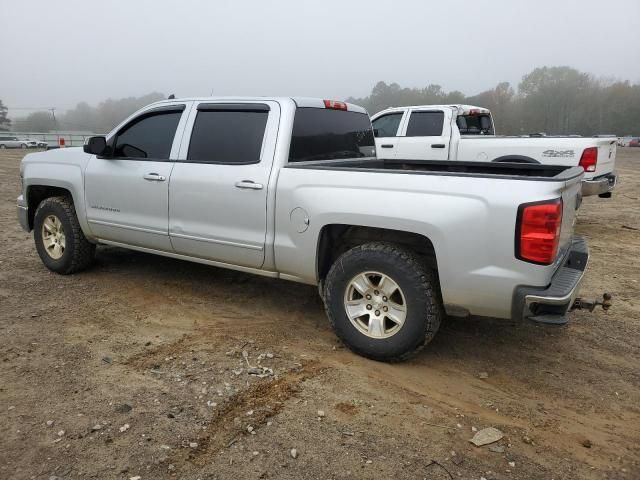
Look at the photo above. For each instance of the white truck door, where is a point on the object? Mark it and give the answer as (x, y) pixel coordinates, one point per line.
(218, 188)
(386, 129)
(425, 136)
(127, 193)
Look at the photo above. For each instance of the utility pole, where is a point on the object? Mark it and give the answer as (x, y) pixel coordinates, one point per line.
(53, 114)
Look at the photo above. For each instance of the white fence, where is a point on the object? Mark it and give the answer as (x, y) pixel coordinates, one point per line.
(71, 139)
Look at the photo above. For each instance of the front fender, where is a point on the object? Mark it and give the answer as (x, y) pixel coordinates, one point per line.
(66, 176)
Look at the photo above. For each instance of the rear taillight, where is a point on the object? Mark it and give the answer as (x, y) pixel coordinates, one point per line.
(538, 231)
(589, 159)
(335, 105)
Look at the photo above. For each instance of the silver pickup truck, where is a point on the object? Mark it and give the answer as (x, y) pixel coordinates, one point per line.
(291, 188)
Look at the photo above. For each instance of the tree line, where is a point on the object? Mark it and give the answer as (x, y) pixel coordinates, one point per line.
(553, 100)
(84, 117)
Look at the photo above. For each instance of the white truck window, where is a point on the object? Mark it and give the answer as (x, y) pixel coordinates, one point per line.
(228, 136)
(387, 125)
(425, 124)
(475, 124)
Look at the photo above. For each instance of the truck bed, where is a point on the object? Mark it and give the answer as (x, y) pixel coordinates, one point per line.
(514, 171)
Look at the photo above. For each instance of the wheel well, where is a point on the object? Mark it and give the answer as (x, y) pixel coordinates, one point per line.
(515, 159)
(337, 238)
(37, 193)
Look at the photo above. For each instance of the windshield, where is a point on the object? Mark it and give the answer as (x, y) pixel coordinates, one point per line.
(325, 134)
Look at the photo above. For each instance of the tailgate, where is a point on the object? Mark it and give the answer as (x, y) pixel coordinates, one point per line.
(606, 157)
(571, 199)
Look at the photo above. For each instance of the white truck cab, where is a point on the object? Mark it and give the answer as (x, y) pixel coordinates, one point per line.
(467, 133)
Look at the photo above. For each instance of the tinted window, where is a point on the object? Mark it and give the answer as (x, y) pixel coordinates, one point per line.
(150, 136)
(227, 136)
(425, 124)
(387, 125)
(323, 134)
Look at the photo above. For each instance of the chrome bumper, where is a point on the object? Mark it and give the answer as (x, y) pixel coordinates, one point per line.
(599, 185)
(550, 304)
(23, 215)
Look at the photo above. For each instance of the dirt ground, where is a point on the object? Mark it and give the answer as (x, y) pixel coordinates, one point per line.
(135, 369)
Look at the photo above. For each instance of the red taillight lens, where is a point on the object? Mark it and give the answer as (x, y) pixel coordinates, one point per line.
(538, 232)
(589, 159)
(335, 105)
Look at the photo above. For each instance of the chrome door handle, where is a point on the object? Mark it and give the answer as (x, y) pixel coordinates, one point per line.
(249, 184)
(154, 177)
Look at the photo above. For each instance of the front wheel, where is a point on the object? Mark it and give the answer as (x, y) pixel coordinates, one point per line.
(382, 302)
(60, 243)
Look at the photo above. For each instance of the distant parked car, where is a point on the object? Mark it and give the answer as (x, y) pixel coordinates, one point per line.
(13, 142)
(634, 142)
(32, 143)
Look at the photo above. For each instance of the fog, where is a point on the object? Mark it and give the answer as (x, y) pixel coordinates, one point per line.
(57, 54)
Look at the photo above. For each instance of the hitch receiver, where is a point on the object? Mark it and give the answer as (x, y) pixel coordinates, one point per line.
(585, 304)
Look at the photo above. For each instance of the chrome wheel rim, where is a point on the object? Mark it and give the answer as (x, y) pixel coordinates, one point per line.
(375, 304)
(53, 237)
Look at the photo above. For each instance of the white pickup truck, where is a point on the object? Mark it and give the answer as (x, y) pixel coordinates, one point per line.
(291, 188)
(467, 133)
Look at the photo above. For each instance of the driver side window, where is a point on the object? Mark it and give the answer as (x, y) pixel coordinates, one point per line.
(387, 125)
(149, 136)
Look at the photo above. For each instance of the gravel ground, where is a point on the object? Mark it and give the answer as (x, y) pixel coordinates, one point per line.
(138, 368)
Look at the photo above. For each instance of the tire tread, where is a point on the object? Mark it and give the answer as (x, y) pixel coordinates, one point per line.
(416, 272)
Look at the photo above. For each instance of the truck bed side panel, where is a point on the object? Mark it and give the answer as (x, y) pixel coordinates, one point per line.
(470, 221)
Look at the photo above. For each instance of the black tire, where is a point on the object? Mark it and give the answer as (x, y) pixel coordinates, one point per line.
(419, 286)
(2, 147)
(23, 145)
(79, 252)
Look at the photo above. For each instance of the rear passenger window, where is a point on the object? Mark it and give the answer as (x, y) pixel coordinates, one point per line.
(228, 134)
(148, 137)
(425, 124)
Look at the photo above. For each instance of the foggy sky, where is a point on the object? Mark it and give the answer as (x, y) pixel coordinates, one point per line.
(58, 53)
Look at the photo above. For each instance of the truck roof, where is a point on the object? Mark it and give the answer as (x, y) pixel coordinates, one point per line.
(301, 102)
(462, 109)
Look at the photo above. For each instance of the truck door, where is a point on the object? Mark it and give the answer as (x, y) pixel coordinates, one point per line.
(218, 190)
(386, 128)
(426, 135)
(127, 193)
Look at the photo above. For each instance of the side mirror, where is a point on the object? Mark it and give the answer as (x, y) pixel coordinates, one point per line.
(95, 145)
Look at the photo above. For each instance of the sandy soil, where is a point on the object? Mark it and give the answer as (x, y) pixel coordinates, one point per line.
(138, 366)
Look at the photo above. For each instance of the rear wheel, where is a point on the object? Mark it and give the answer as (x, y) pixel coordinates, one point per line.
(2, 147)
(60, 243)
(382, 301)
(23, 145)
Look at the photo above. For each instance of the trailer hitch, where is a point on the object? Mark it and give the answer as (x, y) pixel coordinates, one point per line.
(586, 304)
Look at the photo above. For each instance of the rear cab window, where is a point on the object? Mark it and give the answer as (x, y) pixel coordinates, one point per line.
(329, 134)
(475, 124)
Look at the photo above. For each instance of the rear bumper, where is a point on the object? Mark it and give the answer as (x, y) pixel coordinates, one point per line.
(599, 185)
(23, 214)
(550, 304)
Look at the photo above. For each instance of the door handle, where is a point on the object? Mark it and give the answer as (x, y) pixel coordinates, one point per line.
(249, 184)
(154, 177)
(387, 146)
(437, 145)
